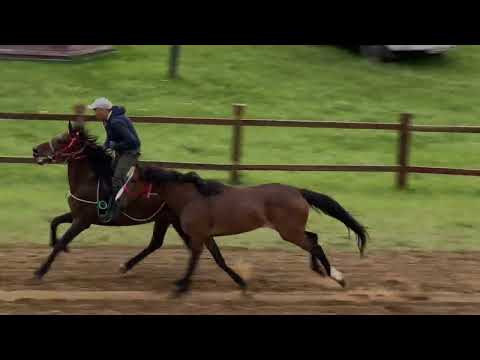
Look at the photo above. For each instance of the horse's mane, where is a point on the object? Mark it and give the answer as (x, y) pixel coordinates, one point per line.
(204, 187)
(99, 160)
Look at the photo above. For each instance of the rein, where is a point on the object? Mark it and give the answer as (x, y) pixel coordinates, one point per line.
(78, 155)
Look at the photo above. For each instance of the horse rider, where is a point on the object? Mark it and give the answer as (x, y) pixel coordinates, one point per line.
(122, 143)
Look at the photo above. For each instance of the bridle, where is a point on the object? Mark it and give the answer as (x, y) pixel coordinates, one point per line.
(64, 154)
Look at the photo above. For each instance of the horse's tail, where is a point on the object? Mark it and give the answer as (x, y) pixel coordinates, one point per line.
(332, 208)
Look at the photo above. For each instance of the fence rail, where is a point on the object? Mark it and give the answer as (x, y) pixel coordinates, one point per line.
(213, 121)
(404, 128)
(300, 168)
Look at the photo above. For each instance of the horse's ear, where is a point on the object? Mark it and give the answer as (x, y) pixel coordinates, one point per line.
(70, 127)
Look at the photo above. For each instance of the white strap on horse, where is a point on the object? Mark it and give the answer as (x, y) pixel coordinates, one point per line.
(130, 174)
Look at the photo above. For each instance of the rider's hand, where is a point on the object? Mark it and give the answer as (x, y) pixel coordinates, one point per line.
(109, 150)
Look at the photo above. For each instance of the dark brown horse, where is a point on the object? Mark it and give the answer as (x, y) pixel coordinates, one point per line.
(88, 164)
(207, 209)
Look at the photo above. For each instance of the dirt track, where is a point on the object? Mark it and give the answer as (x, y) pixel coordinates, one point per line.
(87, 281)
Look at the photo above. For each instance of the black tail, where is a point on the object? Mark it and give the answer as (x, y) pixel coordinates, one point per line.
(332, 208)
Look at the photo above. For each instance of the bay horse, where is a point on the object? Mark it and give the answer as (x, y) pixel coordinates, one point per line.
(208, 209)
(88, 165)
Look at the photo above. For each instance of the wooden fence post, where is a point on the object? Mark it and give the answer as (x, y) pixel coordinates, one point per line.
(238, 112)
(404, 150)
(173, 63)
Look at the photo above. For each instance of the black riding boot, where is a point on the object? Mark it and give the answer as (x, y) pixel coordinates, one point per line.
(113, 210)
(124, 163)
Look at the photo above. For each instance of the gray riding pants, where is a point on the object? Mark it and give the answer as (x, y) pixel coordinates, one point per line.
(123, 163)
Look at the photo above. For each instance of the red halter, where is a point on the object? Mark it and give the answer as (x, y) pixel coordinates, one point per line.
(65, 153)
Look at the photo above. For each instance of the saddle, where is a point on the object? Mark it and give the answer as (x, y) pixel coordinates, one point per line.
(105, 190)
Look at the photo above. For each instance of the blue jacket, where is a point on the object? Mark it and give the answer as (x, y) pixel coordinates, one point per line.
(121, 135)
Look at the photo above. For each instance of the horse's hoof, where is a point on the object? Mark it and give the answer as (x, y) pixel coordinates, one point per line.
(38, 275)
(337, 276)
(180, 283)
(179, 292)
(243, 286)
(182, 286)
(174, 295)
(123, 269)
(245, 293)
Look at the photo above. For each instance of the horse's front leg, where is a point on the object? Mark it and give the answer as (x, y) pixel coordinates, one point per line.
(159, 231)
(214, 251)
(196, 248)
(55, 223)
(76, 228)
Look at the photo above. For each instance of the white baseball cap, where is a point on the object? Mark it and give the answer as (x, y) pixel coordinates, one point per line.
(101, 103)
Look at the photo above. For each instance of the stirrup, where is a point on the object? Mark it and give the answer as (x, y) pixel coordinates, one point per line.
(102, 205)
(107, 217)
(104, 210)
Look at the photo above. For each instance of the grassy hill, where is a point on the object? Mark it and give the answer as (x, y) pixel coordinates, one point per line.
(280, 82)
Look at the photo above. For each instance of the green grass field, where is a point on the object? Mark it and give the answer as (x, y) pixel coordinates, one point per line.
(277, 82)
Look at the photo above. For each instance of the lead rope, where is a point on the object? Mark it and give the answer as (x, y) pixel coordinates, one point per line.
(70, 195)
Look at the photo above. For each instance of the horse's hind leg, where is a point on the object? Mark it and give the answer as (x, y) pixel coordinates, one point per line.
(304, 241)
(313, 260)
(55, 223)
(158, 237)
(217, 256)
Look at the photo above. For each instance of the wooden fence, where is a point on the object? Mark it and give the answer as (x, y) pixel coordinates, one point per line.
(404, 128)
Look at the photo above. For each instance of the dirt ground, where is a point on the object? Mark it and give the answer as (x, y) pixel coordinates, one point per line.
(87, 281)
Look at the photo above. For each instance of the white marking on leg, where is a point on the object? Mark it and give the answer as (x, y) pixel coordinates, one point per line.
(335, 274)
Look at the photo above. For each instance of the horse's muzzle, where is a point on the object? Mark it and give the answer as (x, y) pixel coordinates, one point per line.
(40, 160)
